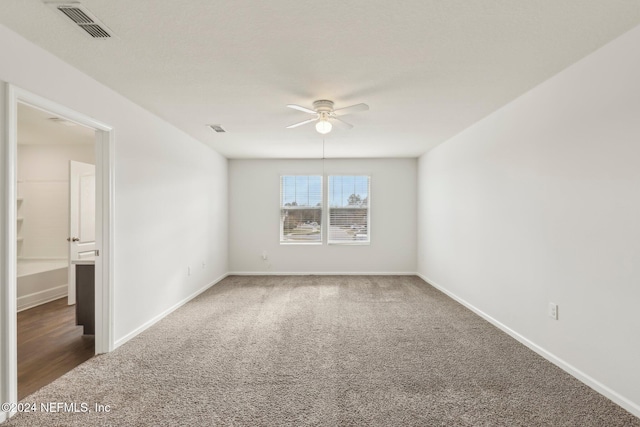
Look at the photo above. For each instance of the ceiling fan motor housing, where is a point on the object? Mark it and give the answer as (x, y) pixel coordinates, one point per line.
(323, 106)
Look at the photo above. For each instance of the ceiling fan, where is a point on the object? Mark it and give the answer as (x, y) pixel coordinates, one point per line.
(324, 113)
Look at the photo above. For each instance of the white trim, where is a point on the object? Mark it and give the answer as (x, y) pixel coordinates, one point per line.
(321, 273)
(26, 302)
(8, 290)
(565, 366)
(43, 104)
(105, 185)
(146, 325)
(104, 264)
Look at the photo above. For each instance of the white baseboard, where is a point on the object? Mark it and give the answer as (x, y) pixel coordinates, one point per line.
(37, 298)
(321, 273)
(567, 367)
(165, 313)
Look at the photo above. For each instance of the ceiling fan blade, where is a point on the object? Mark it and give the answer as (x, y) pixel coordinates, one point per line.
(351, 109)
(301, 108)
(295, 125)
(341, 123)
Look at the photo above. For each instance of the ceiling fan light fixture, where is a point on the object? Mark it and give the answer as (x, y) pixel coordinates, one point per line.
(323, 112)
(323, 126)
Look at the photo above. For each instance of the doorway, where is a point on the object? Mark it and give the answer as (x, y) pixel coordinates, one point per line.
(56, 199)
(103, 142)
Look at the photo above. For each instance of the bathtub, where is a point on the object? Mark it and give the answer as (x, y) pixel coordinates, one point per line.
(40, 281)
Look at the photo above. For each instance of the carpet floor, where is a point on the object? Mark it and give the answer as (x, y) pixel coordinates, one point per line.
(326, 351)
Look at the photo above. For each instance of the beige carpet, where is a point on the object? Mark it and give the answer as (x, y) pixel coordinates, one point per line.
(327, 351)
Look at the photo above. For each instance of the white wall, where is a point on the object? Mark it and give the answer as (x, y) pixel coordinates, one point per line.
(254, 218)
(539, 203)
(170, 190)
(43, 182)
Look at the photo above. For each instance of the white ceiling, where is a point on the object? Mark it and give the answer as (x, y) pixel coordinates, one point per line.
(427, 68)
(36, 127)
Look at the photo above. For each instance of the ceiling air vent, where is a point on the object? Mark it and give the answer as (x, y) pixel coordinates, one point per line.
(61, 121)
(84, 19)
(217, 128)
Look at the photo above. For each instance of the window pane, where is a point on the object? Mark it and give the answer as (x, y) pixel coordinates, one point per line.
(349, 209)
(301, 209)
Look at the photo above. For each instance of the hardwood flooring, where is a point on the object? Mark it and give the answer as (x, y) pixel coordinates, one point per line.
(50, 344)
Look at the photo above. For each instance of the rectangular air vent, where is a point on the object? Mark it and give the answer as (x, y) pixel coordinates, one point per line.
(83, 19)
(217, 128)
(61, 121)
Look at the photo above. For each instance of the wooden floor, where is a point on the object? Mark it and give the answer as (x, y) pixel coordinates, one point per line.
(50, 344)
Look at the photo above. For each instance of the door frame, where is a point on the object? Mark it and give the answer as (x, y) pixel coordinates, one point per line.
(104, 147)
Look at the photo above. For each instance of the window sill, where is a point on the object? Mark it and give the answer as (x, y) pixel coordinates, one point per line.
(301, 243)
(349, 243)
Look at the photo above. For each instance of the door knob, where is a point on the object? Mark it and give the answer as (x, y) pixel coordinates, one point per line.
(72, 239)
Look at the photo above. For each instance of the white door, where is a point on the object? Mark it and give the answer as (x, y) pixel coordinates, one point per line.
(82, 218)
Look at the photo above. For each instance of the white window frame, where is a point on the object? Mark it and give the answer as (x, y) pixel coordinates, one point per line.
(328, 214)
(321, 208)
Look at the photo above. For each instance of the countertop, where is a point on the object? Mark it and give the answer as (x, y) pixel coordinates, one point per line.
(85, 261)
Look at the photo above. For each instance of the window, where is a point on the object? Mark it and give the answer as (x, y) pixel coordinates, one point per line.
(301, 209)
(349, 209)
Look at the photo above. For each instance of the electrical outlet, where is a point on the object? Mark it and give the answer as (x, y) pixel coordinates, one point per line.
(264, 255)
(203, 264)
(188, 271)
(553, 311)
